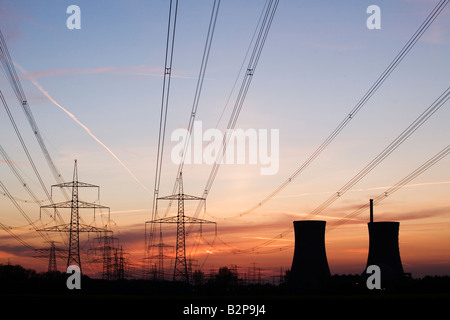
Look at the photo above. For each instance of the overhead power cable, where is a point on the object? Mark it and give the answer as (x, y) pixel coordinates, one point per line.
(13, 235)
(201, 78)
(403, 182)
(30, 159)
(436, 105)
(348, 117)
(8, 67)
(19, 177)
(170, 44)
(425, 166)
(43, 235)
(198, 91)
(269, 14)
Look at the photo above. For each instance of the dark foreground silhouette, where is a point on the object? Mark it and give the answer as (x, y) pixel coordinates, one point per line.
(222, 291)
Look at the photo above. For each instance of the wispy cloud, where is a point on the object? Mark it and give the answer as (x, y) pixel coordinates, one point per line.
(140, 70)
(125, 70)
(132, 210)
(44, 73)
(419, 214)
(16, 163)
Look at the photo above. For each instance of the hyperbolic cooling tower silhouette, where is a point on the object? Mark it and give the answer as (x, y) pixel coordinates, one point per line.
(383, 247)
(309, 265)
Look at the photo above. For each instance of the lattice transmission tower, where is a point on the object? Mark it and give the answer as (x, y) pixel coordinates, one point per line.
(180, 272)
(157, 270)
(75, 227)
(51, 253)
(107, 246)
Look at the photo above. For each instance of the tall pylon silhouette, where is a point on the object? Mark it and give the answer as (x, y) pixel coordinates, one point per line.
(180, 272)
(74, 227)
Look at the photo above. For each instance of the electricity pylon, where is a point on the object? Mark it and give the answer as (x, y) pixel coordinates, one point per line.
(51, 253)
(158, 272)
(180, 272)
(119, 264)
(107, 247)
(75, 227)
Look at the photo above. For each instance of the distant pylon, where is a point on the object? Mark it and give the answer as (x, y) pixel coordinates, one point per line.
(51, 253)
(74, 228)
(52, 259)
(180, 272)
(107, 250)
(119, 264)
(159, 273)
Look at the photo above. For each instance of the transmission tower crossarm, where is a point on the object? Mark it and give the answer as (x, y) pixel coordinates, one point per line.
(69, 204)
(186, 219)
(71, 184)
(82, 228)
(180, 269)
(75, 184)
(181, 196)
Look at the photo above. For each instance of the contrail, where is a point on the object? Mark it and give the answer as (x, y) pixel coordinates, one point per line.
(37, 85)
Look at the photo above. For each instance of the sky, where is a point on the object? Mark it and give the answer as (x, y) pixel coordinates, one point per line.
(96, 92)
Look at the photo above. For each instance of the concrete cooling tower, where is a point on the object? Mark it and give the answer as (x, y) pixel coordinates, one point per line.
(310, 266)
(383, 247)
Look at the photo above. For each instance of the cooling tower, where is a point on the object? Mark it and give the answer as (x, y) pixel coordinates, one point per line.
(310, 266)
(383, 249)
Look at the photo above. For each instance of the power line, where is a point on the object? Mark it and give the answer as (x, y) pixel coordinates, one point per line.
(12, 234)
(170, 43)
(242, 66)
(416, 36)
(431, 17)
(203, 66)
(269, 14)
(198, 90)
(22, 142)
(11, 74)
(425, 166)
(403, 182)
(436, 105)
(201, 77)
(19, 177)
(44, 236)
(390, 68)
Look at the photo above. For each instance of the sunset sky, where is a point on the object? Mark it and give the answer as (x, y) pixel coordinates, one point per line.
(96, 94)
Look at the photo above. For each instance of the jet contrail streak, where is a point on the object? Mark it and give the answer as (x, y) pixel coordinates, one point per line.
(37, 85)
